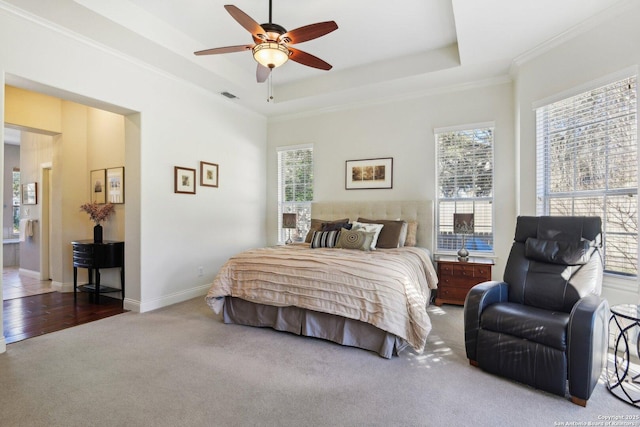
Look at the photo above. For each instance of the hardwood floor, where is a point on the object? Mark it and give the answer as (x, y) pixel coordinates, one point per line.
(35, 315)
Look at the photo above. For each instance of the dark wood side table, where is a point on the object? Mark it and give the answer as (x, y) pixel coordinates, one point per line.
(94, 256)
(456, 278)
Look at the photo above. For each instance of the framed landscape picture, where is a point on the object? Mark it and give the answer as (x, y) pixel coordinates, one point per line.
(369, 174)
(184, 180)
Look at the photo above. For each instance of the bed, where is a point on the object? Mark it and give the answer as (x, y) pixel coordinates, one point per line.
(374, 300)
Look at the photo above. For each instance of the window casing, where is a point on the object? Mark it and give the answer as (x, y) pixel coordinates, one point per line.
(587, 164)
(295, 189)
(465, 185)
(16, 201)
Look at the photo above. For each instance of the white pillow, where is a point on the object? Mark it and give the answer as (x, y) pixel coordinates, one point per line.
(369, 228)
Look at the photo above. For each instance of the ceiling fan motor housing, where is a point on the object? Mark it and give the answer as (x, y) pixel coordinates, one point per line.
(273, 32)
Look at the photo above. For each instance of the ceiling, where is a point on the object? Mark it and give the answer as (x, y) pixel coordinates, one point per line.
(381, 50)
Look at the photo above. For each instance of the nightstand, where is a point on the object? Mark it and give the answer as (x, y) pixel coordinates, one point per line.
(456, 278)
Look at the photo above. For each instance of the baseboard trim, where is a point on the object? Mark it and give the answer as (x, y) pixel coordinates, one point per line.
(3, 345)
(167, 300)
(62, 287)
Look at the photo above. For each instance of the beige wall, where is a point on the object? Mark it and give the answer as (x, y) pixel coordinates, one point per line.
(33, 110)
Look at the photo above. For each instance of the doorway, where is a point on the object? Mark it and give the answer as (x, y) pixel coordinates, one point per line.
(21, 274)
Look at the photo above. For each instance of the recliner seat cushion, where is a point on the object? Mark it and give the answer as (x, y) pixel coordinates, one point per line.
(541, 326)
(525, 361)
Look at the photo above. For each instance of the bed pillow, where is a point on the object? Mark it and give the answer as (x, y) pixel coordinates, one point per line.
(358, 239)
(390, 234)
(316, 225)
(324, 239)
(412, 234)
(330, 226)
(370, 228)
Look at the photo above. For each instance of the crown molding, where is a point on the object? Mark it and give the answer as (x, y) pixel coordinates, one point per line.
(493, 81)
(581, 28)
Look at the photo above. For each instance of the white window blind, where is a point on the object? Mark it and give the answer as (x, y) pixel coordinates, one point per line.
(465, 185)
(587, 164)
(295, 189)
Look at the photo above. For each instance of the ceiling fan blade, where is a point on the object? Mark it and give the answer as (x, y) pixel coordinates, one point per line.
(308, 32)
(227, 49)
(262, 73)
(307, 59)
(245, 20)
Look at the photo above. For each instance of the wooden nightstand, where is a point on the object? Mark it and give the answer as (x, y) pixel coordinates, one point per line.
(455, 278)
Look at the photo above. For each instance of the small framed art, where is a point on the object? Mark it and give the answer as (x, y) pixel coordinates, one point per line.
(115, 185)
(208, 174)
(30, 193)
(184, 180)
(96, 184)
(369, 174)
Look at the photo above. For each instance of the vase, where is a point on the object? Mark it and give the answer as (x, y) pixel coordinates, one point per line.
(97, 234)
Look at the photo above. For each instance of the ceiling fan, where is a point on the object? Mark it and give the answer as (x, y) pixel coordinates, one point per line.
(272, 43)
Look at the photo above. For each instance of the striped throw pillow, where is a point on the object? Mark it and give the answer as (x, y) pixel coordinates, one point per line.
(324, 239)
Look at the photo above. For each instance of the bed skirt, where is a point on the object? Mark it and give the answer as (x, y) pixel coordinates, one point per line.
(348, 332)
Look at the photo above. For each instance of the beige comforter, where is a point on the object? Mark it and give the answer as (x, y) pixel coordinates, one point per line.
(387, 288)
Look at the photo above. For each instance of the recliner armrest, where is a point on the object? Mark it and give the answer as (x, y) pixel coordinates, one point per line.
(587, 344)
(479, 297)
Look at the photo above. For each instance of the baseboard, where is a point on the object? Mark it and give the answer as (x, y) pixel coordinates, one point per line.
(131, 305)
(29, 273)
(61, 287)
(3, 345)
(168, 299)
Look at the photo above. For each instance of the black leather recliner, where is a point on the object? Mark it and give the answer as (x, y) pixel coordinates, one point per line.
(545, 324)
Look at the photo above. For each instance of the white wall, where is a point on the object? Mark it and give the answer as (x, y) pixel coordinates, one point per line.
(402, 130)
(607, 49)
(171, 235)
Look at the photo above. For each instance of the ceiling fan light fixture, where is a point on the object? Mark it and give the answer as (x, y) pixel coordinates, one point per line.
(270, 54)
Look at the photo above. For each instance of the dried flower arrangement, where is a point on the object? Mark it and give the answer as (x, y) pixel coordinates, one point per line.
(98, 213)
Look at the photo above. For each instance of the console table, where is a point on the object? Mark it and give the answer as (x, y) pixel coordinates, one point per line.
(94, 256)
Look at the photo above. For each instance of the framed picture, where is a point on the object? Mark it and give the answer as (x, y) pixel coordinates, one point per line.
(30, 193)
(115, 185)
(208, 174)
(369, 174)
(96, 184)
(185, 180)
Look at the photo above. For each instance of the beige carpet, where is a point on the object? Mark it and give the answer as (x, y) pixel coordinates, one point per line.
(181, 366)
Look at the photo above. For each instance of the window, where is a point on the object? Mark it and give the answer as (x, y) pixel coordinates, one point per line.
(16, 201)
(465, 185)
(295, 189)
(587, 164)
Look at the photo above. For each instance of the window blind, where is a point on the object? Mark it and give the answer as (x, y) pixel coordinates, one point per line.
(295, 189)
(587, 164)
(465, 185)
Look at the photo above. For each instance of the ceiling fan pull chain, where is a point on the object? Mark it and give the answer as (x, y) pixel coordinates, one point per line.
(270, 90)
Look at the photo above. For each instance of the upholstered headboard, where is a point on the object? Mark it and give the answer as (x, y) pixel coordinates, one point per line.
(408, 210)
